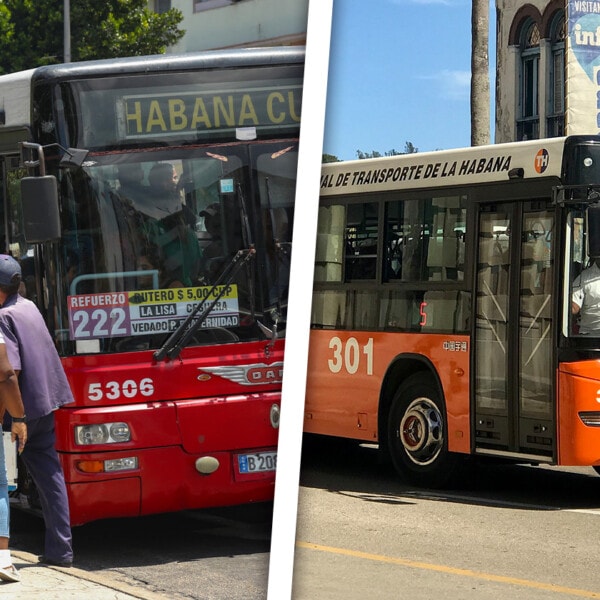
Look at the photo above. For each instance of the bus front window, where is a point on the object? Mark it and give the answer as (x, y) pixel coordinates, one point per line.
(146, 241)
(583, 301)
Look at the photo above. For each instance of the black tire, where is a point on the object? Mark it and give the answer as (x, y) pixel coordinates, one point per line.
(418, 434)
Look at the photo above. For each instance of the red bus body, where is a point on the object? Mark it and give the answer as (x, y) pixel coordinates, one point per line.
(200, 414)
(159, 424)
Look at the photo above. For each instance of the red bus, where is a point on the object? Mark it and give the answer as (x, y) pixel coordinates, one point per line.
(150, 202)
(442, 323)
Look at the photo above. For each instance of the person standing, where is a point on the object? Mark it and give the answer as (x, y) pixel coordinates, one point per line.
(10, 400)
(168, 224)
(585, 300)
(44, 388)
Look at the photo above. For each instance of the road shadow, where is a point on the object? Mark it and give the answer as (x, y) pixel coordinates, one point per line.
(144, 541)
(348, 467)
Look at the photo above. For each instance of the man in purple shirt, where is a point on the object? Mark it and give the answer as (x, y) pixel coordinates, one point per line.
(44, 388)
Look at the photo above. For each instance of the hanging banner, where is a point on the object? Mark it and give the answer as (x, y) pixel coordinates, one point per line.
(583, 66)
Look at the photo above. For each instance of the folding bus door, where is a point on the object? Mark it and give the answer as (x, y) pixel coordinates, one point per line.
(513, 360)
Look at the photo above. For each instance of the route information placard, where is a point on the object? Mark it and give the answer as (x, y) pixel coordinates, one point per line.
(144, 312)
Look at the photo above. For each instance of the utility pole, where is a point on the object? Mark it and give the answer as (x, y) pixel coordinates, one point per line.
(67, 30)
(480, 77)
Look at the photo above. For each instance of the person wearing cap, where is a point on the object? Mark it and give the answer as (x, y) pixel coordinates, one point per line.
(44, 388)
(10, 400)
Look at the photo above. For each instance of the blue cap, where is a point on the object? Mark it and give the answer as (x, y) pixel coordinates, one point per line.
(10, 270)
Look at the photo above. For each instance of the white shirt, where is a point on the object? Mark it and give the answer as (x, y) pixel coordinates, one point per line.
(586, 294)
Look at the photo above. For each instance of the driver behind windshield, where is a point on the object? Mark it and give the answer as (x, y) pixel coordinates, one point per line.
(585, 299)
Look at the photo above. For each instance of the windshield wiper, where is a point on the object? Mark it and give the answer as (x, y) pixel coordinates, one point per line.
(282, 249)
(182, 335)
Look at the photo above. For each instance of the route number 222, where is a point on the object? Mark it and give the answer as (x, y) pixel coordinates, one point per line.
(349, 355)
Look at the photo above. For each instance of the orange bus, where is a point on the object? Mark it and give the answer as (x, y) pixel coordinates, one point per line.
(442, 322)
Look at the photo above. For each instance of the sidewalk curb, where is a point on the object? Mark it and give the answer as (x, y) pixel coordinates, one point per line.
(97, 578)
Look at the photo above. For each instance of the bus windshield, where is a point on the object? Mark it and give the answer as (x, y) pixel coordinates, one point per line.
(583, 304)
(147, 234)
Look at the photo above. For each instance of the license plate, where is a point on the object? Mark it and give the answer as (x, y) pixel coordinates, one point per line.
(259, 462)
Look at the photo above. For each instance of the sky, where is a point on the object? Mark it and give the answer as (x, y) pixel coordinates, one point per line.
(399, 72)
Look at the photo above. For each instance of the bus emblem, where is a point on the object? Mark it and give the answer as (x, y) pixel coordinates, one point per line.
(542, 158)
(257, 374)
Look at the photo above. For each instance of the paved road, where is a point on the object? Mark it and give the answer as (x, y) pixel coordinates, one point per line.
(201, 555)
(511, 532)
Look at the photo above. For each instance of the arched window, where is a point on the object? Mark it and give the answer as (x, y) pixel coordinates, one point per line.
(528, 124)
(556, 93)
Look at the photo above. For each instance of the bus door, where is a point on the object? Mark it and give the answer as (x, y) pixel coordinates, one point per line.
(513, 360)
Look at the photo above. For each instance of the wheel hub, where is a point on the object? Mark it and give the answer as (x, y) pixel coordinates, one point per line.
(421, 431)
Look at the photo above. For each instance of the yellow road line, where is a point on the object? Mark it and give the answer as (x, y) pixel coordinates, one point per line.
(538, 585)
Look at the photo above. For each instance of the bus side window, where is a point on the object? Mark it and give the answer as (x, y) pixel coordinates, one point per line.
(531, 267)
(446, 248)
(329, 310)
(396, 310)
(492, 270)
(360, 241)
(329, 255)
(447, 311)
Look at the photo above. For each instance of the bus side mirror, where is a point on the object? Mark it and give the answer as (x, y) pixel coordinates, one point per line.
(39, 201)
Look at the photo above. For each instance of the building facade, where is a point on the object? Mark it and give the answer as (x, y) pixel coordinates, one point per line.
(215, 24)
(547, 68)
(530, 69)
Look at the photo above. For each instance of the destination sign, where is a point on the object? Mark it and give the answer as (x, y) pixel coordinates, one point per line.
(195, 112)
(144, 312)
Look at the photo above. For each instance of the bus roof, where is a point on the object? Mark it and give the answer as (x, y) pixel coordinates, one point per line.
(15, 88)
(477, 164)
(236, 57)
(15, 98)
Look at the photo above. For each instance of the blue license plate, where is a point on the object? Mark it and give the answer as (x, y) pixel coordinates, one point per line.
(259, 462)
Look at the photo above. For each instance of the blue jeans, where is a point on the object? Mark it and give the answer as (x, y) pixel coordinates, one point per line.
(42, 462)
(4, 508)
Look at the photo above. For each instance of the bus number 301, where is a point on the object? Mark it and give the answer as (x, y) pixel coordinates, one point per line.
(114, 390)
(349, 355)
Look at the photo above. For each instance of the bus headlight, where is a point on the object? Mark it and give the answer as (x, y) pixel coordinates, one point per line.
(590, 418)
(121, 464)
(104, 433)
(129, 463)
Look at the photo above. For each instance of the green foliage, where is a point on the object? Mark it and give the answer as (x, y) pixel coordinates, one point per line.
(409, 148)
(31, 31)
(7, 31)
(329, 158)
(373, 154)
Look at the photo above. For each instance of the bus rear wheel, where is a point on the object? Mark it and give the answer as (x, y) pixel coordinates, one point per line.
(417, 433)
